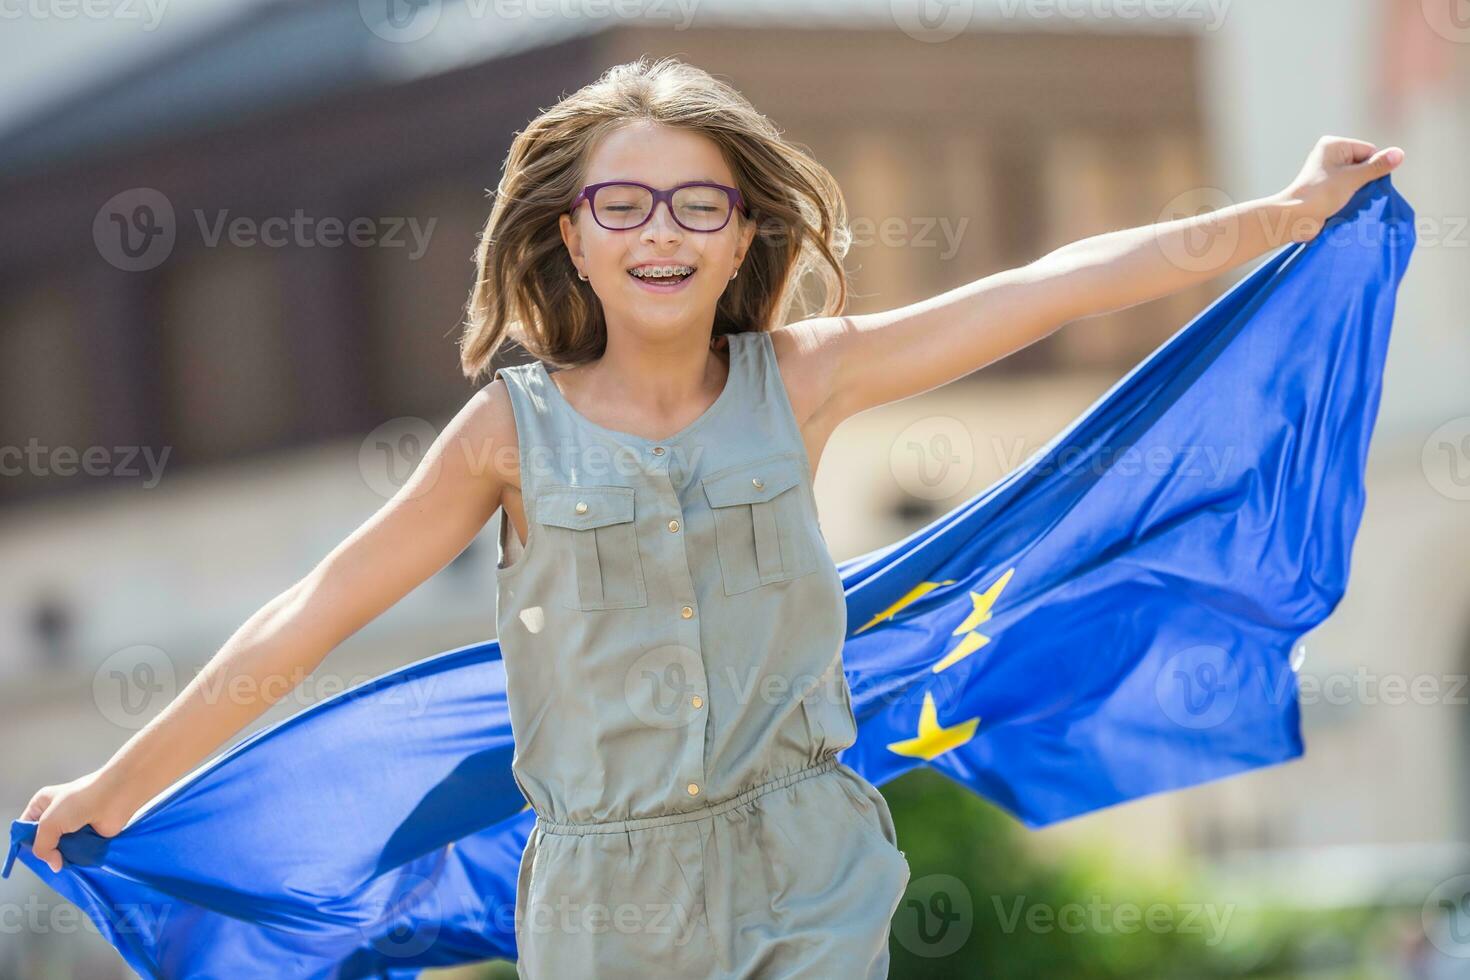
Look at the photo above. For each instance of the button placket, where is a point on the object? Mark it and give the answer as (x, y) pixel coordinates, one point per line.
(691, 763)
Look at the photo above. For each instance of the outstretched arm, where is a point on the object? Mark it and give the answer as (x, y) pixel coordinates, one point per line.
(869, 360)
(454, 490)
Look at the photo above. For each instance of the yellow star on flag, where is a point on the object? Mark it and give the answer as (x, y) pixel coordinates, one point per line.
(933, 738)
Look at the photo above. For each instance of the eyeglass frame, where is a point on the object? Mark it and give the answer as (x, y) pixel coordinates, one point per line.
(732, 194)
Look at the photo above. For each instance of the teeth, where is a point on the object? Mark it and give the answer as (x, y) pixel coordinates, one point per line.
(661, 271)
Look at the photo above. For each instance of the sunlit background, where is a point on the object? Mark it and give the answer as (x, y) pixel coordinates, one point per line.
(186, 428)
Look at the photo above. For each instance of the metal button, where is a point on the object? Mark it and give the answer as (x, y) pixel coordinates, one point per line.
(758, 483)
(581, 506)
(658, 450)
(693, 789)
(697, 701)
(687, 612)
(673, 525)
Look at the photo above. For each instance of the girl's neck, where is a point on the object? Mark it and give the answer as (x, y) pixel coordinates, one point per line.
(649, 388)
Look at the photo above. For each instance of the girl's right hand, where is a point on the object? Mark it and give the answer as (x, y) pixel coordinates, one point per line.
(1334, 170)
(71, 806)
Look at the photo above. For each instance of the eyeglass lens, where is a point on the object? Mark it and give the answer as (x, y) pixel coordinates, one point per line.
(622, 206)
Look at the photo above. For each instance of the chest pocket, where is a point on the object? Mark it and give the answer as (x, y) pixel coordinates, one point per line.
(594, 532)
(761, 532)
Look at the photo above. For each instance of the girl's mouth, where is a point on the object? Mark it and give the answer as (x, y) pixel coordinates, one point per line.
(664, 283)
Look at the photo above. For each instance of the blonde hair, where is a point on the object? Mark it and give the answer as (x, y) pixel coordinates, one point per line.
(526, 287)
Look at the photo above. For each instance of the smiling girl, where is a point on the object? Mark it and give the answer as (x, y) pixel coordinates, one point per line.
(670, 617)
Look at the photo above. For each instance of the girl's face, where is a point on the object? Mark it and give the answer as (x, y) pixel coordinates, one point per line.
(660, 157)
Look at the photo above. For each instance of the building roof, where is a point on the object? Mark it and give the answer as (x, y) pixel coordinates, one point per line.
(259, 56)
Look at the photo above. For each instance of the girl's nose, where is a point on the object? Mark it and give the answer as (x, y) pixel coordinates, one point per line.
(661, 224)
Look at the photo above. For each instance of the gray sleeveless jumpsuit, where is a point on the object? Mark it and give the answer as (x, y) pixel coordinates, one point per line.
(672, 637)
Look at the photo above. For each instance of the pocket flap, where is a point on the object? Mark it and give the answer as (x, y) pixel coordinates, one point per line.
(583, 508)
(752, 483)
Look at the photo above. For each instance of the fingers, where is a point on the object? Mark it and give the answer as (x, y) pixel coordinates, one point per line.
(1383, 161)
(38, 804)
(1354, 151)
(44, 844)
(48, 833)
(1362, 155)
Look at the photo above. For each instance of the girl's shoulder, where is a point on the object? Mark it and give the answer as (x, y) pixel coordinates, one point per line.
(489, 428)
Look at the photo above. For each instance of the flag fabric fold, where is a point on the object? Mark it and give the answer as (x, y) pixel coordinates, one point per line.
(1114, 618)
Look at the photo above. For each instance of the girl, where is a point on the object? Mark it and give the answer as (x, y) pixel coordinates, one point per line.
(671, 619)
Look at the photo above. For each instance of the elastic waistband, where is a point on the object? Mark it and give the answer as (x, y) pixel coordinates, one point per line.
(704, 812)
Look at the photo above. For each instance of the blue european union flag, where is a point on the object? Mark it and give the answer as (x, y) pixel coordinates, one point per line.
(1114, 618)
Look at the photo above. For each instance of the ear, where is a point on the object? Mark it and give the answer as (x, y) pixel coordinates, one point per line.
(747, 235)
(572, 238)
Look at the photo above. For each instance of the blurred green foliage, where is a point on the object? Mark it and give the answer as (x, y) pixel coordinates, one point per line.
(1088, 916)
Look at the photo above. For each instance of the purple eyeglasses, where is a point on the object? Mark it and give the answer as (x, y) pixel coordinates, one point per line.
(622, 205)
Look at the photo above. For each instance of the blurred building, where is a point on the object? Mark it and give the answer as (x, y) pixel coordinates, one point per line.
(204, 428)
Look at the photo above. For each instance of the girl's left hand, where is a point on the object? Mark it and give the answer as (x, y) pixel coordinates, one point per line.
(1334, 171)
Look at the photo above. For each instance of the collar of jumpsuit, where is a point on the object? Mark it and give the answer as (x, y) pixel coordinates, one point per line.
(672, 636)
